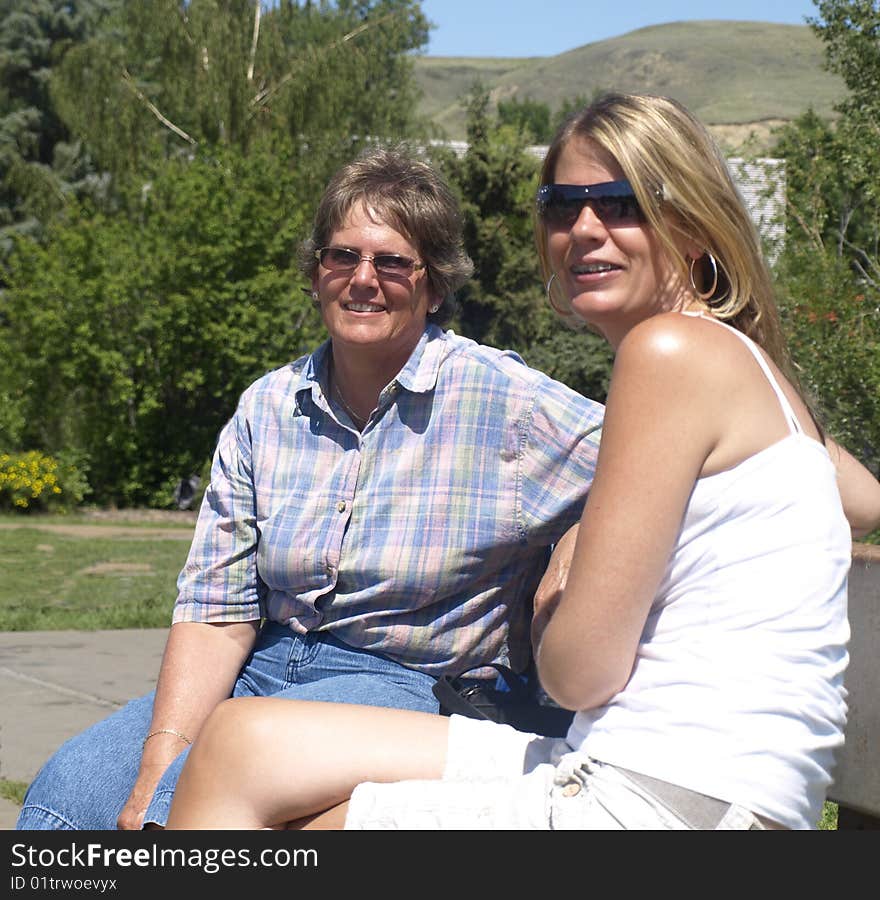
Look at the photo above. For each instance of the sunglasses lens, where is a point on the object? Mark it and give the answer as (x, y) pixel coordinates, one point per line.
(617, 209)
(562, 212)
(560, 205)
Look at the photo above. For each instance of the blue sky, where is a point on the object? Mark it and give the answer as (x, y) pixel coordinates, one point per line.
(548, 27)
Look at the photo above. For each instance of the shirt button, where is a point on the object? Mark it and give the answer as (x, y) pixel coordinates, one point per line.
(341, 506)
(571, 790)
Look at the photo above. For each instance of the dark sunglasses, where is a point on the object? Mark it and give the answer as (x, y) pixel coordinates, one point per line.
(613, 202)
(340, 259)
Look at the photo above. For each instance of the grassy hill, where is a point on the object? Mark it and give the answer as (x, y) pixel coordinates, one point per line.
(737, 76)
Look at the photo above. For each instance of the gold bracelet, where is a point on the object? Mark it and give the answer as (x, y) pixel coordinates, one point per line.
(183, 737)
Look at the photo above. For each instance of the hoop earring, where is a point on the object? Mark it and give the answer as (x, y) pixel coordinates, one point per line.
(705, 295)
(565, 313)
(434, 309)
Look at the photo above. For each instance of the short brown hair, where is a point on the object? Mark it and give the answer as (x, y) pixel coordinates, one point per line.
(410, 196)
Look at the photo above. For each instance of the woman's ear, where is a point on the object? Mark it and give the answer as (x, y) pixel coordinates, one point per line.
(433, 300)
(693, 251)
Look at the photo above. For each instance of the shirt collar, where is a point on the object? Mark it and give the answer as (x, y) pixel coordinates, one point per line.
(419, 375)
(314, 373)
(422, 369)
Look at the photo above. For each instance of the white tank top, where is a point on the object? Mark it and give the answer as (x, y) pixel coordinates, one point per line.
(737, 689)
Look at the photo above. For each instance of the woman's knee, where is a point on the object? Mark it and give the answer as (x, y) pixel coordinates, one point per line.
(237, 728)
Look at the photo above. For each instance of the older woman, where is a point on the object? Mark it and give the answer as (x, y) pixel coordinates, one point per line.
(701, 635)
(384, 506)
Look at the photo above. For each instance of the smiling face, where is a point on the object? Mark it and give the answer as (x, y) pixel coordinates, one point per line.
(364, 312)
(615, 274)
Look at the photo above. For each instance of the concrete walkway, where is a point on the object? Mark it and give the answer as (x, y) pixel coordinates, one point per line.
(53, 684)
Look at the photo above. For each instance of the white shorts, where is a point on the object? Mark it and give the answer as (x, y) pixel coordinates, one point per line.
(499, 778)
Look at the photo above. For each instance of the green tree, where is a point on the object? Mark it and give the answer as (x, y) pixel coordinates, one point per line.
(39, 164)
(504, 304)
(129, 328)
(537, 119)
(829, 273)
(532, 117)
(833, 328)
(850, 30)
(571, 105)
(495, 180)
(133, 333)
(168, 76)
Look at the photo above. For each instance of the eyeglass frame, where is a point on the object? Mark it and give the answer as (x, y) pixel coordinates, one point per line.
(414, 266)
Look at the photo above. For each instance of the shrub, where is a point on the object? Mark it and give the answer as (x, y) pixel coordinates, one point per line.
(34, 481)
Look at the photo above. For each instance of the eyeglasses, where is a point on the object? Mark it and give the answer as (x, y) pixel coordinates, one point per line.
(340, 259)
(614, 202)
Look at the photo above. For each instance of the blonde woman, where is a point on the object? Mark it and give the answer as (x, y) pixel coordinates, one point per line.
(701, 634)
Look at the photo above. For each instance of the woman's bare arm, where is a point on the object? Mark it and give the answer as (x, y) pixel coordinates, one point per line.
(199, 668)
(655, 440)
(859, 490)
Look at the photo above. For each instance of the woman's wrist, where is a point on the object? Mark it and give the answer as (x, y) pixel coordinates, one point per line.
(170, 731)
(160, 747)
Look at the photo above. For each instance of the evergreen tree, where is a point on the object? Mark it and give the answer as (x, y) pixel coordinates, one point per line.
(530, 116)
(504, 303)
(39, 166)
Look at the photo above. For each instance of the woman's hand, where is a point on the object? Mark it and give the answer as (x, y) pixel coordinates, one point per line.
(552, 585)
(132, 816)
(159, 752)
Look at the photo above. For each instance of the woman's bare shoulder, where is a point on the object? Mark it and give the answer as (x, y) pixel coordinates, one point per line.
(677, 341)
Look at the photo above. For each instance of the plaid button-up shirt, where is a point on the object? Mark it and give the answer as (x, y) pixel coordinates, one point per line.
(422, 538)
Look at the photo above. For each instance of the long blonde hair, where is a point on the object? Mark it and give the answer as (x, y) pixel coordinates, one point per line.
(683, 185)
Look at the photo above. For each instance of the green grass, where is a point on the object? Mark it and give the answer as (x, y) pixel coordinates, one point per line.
(13, 790)
(828, 822)
(52, 581)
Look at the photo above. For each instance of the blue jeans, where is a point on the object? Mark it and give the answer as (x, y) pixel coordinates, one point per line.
(86, 783)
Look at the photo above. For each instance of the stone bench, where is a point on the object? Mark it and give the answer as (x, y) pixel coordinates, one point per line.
(856, 787)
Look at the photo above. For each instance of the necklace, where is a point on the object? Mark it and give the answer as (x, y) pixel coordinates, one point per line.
(358, 421)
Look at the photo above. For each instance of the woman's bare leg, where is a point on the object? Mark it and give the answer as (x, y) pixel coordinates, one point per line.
(332, 819)
(260, 762)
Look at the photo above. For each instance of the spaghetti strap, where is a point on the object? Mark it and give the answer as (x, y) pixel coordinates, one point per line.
(787, 409)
